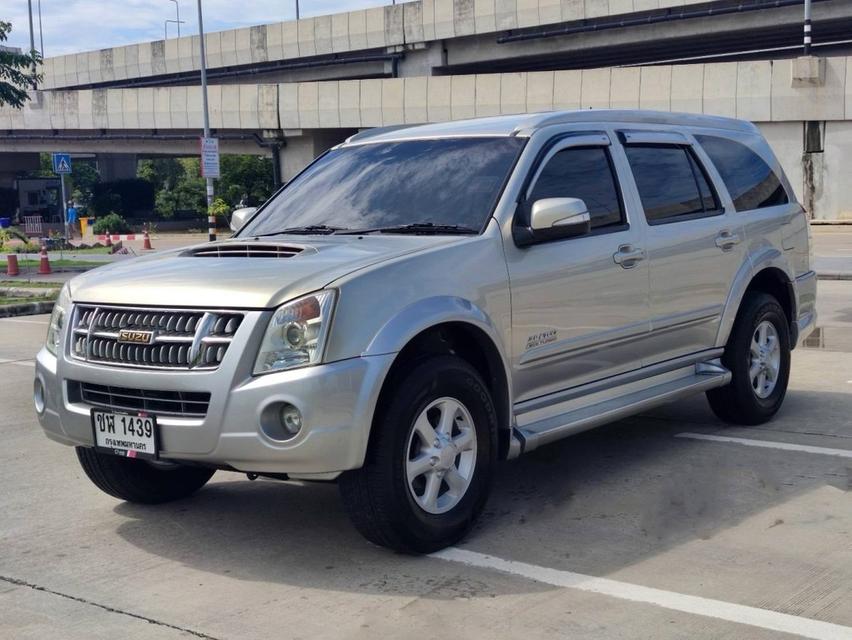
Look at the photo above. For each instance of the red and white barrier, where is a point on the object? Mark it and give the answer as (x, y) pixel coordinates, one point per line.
(115, 237)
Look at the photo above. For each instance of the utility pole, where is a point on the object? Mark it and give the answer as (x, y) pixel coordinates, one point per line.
(40, 32)
(807, 42)
(32, 42)
(211, 219)
(297, 9)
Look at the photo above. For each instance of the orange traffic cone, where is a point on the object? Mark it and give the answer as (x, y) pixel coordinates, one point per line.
(146, 244)
(44, 262)
(12, 265)
(108, 239)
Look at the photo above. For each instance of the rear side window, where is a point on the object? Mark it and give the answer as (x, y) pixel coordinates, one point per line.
(671, 184)
(749, 179)
(585, 173)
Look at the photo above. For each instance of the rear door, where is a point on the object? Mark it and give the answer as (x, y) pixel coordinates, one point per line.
(694, 244)
(579, 305)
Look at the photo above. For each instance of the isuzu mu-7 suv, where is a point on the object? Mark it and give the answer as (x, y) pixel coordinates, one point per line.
(422, 302)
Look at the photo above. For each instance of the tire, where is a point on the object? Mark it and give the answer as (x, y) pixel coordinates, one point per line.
(746, 401)
(382, 504)
(139, 481)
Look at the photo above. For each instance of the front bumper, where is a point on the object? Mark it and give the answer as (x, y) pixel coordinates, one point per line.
(337, 401)
(806, 315)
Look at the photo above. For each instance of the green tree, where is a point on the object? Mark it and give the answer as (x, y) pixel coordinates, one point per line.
(245, 176)
(16, 72)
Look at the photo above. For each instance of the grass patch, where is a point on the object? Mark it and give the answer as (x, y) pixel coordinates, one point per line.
(58, 264)
(100, 251)
(26, 284)
(6, 301)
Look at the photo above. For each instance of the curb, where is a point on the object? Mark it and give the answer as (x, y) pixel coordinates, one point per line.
(25, 309)
(834, 276)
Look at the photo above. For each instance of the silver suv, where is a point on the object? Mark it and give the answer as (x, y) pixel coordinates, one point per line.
(422, 302)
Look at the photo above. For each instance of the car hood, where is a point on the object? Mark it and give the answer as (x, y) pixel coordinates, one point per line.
(182, 278)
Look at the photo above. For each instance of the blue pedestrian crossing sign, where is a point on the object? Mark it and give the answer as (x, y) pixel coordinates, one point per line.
(61, 163)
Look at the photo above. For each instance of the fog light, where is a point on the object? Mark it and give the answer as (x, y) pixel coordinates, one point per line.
(38, 396)
(291, 419)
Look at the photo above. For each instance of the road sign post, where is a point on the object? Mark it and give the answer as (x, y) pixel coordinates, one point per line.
(62, 166)
(210, 170)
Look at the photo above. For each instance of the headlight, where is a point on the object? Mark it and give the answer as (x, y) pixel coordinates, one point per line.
(57, 320)
(295, 336)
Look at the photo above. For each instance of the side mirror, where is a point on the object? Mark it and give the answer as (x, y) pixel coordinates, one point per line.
(553, 219)
(240, 216)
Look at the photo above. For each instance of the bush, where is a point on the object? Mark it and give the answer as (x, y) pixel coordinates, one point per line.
(220, 208)
(126, 197)
(113, 223)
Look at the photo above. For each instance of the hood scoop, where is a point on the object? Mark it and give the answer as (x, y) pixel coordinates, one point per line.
(243, 250)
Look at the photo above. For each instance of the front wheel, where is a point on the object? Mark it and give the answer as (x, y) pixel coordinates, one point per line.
(428, 471)
(758, 356)
(139, 481)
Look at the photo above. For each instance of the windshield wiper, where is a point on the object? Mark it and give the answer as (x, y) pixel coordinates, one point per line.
(418, 228)
(319, 229)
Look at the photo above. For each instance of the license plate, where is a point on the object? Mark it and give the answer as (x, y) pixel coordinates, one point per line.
(125, 434)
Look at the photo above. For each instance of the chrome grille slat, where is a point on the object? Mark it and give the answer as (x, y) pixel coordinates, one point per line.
(186, 404)
(181, 337)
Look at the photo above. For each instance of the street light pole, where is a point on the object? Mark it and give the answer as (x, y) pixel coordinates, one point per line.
(211, 219)
(297, 9)
(807, 27)
(177, 10)
(32, 42)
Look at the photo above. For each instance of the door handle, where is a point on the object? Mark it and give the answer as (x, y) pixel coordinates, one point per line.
(726, 240)
(628, 256)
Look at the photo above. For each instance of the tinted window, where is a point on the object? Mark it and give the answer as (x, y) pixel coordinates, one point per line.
(750, 181)
(447, 181)
(585, 174)
(670, 182)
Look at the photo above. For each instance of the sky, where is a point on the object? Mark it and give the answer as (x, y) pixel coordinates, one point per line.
(84, 25)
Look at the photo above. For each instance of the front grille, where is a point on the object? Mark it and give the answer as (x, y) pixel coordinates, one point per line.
(185, 404)
(247, 250)
(181, 339)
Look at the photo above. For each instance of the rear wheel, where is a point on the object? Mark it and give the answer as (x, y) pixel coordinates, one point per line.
(428, 471)
(139, 481)
(758, 356)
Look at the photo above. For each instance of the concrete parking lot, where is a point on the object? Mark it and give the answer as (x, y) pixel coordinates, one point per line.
(666, 525)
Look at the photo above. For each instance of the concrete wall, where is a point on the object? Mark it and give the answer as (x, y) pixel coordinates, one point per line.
(379, 27)
(760, 91)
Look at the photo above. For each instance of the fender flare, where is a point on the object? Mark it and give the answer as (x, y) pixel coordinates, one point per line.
(766, 257)
(424, 314)
(429, 312)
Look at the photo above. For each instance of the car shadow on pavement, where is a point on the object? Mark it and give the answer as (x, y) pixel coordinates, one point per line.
(594, 503)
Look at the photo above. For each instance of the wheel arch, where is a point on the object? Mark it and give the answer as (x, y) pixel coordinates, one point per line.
(452, 326)
(768, 274)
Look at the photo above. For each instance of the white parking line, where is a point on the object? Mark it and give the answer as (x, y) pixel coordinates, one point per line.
(768, 444)
(719, 609)
(20, 363)
(23, 321)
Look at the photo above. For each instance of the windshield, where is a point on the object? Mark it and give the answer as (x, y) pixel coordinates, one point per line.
(450, 181)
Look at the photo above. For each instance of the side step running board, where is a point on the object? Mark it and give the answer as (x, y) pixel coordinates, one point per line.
(700, 378)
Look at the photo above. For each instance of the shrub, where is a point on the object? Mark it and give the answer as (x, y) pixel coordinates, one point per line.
(111, 222)
(220, 208)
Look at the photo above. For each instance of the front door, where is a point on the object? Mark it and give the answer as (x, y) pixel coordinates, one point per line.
(579, 305)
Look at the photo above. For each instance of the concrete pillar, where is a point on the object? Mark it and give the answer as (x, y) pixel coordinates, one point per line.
(117, 166)
(300, 150)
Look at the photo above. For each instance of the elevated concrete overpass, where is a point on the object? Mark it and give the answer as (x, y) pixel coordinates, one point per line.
(292, 89)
